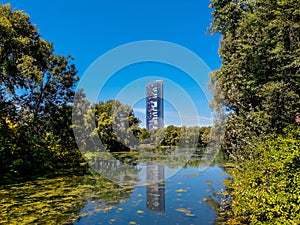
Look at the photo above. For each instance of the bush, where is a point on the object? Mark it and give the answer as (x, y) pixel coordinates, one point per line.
(266, 186)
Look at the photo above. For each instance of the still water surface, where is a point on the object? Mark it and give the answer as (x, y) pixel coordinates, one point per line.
(188, 197)
(183, 199)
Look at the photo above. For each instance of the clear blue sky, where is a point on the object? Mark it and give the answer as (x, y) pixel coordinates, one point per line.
(88, 29)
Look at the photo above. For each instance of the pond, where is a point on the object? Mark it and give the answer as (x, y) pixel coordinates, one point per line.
(175, 194)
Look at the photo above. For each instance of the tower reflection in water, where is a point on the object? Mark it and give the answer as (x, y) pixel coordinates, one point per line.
(156, 189)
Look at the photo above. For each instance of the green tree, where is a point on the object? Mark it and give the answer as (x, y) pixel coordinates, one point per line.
(258, 87)
(116, 125)
(204, 136)
(36, 93)
(8, 144)
(259, 82)
(143, 135)
(157, 136)
(172, 136)
(33, 79)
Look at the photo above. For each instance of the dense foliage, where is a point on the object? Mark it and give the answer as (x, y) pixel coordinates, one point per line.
(186, 136)
(258, 88)
(116, 126)
(36, 92)
(259, 78)
(173, 136)
(266, 186)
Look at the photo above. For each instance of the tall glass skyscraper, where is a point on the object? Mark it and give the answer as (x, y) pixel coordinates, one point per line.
(155, 105)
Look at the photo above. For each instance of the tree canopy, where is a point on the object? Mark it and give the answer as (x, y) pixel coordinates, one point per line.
(258, 87)
(259, 80)
(33, 78)
(36, 92)
(116, 125)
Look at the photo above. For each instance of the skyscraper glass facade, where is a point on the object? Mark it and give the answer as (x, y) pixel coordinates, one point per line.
(155, 105)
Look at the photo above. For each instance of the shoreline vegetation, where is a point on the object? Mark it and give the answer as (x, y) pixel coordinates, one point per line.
(264, 188)
(256, 93)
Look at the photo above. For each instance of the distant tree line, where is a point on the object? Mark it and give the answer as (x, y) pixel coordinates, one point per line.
(118, 130)
(174, 136)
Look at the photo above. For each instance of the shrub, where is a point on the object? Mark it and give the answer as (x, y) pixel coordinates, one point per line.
(266, 186)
